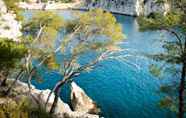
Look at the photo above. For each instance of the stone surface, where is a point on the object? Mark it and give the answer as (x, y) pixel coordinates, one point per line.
(3, 8)
(129, 7)
(62, 110)
(81, 102)
(9, 26)
(151, 6)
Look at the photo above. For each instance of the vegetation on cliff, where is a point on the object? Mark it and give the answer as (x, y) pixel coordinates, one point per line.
(95, 32)
(174, 56)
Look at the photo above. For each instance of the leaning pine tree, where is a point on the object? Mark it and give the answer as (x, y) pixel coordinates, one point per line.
(94, 35)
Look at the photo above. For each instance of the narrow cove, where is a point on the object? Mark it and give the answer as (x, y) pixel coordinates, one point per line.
(121, 89)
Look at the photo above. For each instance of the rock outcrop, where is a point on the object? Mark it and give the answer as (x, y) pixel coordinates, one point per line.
(62, 110)
(128, 7)
(81, 102)
(9, 26)
(3, 8)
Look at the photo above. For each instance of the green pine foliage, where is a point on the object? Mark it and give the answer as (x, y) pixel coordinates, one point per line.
(174, 55)
(11, 53)
(48, 23)
(21, 108)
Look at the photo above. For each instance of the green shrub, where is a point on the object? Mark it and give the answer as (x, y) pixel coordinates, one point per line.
(22, 109)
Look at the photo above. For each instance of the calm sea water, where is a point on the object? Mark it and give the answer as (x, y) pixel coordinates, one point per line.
(121, 90)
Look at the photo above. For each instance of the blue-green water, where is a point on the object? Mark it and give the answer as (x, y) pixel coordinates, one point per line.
(120, 89)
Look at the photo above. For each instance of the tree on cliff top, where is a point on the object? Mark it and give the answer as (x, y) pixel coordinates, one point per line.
(175, 51)
(90, 38)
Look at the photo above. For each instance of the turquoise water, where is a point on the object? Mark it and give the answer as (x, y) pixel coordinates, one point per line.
(121, 90)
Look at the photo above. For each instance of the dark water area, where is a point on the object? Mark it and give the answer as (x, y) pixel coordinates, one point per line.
(121, 89)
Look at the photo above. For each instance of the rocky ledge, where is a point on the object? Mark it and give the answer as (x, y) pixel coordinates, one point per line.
(83, 106)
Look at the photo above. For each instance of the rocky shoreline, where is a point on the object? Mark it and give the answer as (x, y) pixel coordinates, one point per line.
(82, 105)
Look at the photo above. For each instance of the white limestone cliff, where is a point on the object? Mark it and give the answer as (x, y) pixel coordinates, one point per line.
(9, 26)
(128, 7)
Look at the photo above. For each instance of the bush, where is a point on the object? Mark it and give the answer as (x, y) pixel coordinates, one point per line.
(22, 109)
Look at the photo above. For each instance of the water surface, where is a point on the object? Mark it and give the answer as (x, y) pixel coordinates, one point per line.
(120, 89)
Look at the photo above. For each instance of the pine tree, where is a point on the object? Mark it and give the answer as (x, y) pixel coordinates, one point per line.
(175, 50)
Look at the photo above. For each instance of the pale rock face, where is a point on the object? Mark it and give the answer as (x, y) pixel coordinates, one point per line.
(3, 8)
(151, 7)
(9, 26)
(62, 110)
(129, 7)
(43, 95)
(81, 102)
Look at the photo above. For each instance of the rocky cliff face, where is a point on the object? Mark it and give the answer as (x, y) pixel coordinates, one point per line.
(9, 26)
(129, 7)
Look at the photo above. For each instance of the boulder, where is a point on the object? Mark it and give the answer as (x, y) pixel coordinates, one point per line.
(62, 110)
(81, 102)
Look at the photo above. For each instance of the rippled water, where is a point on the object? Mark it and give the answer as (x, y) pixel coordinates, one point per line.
(120, 89)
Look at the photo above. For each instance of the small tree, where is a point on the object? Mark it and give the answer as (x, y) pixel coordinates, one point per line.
(175, 50)
(95, 34)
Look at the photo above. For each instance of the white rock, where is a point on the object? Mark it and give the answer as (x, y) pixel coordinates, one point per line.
(81, 102)
(3, 8)
(151, 7)
(62, 110)
(9, 26)
(129, 7)
(43, 95)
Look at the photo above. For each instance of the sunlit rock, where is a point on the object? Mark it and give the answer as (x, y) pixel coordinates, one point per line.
(81, 102)
(3, 8)
(9, 26)
(62, 110)
(128, 7)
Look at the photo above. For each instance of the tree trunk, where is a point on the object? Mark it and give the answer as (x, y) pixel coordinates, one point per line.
(181, 92)
(14, 82)
(49, 95)
(5, 75)
(4, 82)
(57, 92)
(30, 78)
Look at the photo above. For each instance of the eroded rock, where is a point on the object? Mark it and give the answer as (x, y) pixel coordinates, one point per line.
(9, 26)
(81, 102)
(129, 7)
(62, 110)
